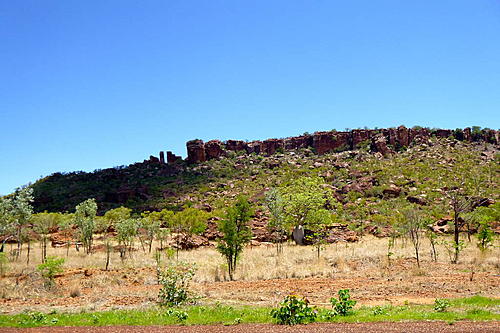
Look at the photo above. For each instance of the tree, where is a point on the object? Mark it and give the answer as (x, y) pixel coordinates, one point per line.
(485, 216)
(21, 211)
(188, 222)
(151, 224)
(111, 219)
(235, 233)
(114, 216)
(6, 220)
(412, 225)
(304, 197)
(318, 221)
(277, 223)
(43, 224)
(126, 231)
(84, 220)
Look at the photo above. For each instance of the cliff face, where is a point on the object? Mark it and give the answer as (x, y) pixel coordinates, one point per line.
(381, 140)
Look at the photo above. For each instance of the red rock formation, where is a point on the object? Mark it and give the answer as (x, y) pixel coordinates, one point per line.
(379, 143)
(154, 159)
(359, 136)
(270, 146)
(254, 147)
(213, 149)
(402, 136)
(236, 145)
(467, 134)
(172, 158)
(162, 157)
(298, 142)
(442, 133)
(196, 151)
(325, 142)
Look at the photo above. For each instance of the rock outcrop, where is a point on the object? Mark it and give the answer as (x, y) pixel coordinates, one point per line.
(196, 151)
(385, 141)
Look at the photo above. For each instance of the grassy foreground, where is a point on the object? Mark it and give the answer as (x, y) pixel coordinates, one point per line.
(476, 308)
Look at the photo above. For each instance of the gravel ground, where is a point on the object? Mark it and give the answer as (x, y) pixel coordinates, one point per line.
(418, 327)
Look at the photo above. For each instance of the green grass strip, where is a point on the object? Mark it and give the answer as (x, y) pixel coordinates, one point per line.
(475, 308)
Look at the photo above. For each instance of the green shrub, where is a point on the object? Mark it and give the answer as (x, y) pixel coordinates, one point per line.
(294, 310)
(380, 310)
(181, 316)
(175, 283)
(441, 304)
(50, 268)
(344, 304)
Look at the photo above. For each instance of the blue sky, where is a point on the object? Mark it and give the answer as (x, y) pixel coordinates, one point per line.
(96, 84)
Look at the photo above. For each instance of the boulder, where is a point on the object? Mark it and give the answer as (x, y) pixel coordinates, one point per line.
(186, 242)
(417, 200)
(392, 191)
(298, 235)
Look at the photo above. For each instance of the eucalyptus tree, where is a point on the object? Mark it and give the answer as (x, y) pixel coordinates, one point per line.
(278, 222)
(43, 224)
(235, 233)
(21, 211)
(85, 221)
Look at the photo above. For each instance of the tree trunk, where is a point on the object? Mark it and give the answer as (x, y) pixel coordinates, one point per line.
(456, 239)
(28, 254)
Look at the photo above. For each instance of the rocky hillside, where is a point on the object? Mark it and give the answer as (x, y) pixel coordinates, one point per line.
(384, 167)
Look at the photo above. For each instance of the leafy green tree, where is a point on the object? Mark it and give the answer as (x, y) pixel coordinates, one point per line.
(114, 216)
(306, 198)
(84, 219)
(126, 231)
(188, 222)
(6, 220)
(303, 197)
(318, 222)
(151, 228)
(235, 232)
(278, 222)
(485, 216)
(21, 211)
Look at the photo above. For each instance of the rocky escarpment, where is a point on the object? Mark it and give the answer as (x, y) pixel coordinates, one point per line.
(385, 141)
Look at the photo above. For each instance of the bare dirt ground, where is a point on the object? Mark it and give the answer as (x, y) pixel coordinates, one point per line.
(416, 327)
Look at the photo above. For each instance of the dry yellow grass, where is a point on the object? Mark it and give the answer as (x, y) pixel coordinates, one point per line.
(263, 262)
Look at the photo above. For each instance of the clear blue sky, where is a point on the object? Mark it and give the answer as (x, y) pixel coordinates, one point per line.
(95, 84)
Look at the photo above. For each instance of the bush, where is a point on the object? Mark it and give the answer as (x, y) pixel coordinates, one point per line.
(294, 310)
(181, 316)
(344, 304)
(50, 268)
(175, 283)
(440, 305)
